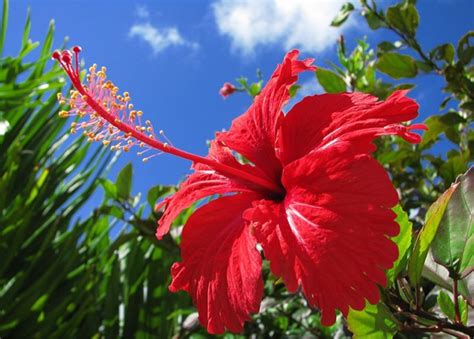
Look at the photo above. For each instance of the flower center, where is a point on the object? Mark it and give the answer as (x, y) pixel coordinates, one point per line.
(113, 120)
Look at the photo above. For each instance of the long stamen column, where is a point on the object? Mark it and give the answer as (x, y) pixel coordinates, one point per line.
(110, 118)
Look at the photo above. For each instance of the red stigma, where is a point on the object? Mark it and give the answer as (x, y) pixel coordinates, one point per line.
(66, 56)
(56, 55)
(77, 49)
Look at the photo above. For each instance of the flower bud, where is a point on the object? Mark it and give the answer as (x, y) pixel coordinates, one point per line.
(227, 90)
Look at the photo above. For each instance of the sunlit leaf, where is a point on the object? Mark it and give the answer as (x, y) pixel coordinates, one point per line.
(403, 241)
(403, 17)
(426, 236)
(124, 181)
(453, 245)
(330, 81)
(397, 65)
(343, 14)
(374, 321)
(446, 304)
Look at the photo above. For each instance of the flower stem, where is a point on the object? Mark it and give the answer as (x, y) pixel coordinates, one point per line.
(457, 315)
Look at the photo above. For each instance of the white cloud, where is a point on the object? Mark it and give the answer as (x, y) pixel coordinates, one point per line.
(310, 87)
(302, 24)
(160, 39)
(142, 12)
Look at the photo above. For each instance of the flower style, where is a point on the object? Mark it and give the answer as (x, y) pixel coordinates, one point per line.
(312, 196)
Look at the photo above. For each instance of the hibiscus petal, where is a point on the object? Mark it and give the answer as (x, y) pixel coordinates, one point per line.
(329, 235)
(320, 120)
(202, 183)
(254, 133)
(221, 267)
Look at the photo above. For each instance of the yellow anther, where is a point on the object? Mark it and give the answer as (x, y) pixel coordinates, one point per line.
(130, 106)
(126, 148)
(139, 113)
(148, 122)
(106, 142)
(63, 114)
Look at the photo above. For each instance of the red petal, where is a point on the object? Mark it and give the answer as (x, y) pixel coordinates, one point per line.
(321, 120)
(329, 235)
(221, 267)
(254, 133)
(202, 183)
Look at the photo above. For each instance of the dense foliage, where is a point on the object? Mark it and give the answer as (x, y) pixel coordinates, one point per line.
(64, 275)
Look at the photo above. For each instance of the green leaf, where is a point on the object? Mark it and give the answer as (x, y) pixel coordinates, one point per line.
(446, 304)
(26, 31)
(343, 14)
(124, 182)
(397, 65)
(465, 49)
(330, 81)
(293, 90)
(403, 241)
(243, 81)
(384, 47)
(463, 310)
(453, 245)
(374, 321)
(443, 52)
(157, 192)
(3, 30)
(373, 20)
(426, 235)
(255, 89)
(403, 17)
(452, 118)
(109, 188)
(435, 128)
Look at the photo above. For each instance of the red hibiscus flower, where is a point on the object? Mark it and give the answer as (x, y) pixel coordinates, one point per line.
(313, 197)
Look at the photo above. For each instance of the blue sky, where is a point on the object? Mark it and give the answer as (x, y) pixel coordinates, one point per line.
(173, 56)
